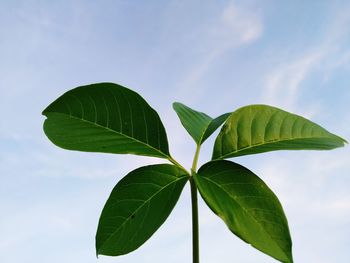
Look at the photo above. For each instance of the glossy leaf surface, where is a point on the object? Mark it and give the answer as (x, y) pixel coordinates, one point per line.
(137, 207)
(261, 128)
(247, 206)
(198, 124)
(105, 117)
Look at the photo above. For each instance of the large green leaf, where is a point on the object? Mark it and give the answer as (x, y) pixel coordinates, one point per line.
(137, 207)
(247, 206)
(198, 124)
(261, 128)
(105, 117)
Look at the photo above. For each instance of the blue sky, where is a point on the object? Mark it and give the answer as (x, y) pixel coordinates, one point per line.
(213, 56)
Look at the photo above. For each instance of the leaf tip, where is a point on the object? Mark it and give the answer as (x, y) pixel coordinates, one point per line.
(345, 142)
(176, 105)
(98, 249)
(44, 112)
(342, 141)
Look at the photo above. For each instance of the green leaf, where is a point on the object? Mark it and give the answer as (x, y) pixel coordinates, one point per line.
(137, 207)
(261, 128)
(105, 117)
(247, 206)
(199, 125)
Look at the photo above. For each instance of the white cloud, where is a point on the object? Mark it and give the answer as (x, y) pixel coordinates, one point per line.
(239, 25)
(235, 27)
(283, 83)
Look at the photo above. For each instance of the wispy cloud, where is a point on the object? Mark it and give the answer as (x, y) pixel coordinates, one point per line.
(283, 84)
(236, 26)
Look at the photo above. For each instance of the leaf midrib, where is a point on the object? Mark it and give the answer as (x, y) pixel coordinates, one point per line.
(206, 126)
(246, 211)
(273, 141)
(141, 206)
(202, 134)
(113, 131)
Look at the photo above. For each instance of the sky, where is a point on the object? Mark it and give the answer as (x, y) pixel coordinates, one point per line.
(213, 56)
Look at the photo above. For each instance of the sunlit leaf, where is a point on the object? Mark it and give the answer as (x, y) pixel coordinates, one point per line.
(198, 124)
(261, 128)
(247, 206)
(137, 207)
(105, 117)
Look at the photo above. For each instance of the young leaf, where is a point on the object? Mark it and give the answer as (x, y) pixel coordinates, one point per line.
(105, 117)
(137, 207)
(247, 206)
(261, 128)
(199, 125)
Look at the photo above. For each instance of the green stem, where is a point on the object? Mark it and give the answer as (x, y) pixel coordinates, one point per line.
(194, 199)
(195, 229)
(195, 159)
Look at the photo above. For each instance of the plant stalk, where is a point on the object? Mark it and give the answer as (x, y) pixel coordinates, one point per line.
(194, 199)
(195, 229)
